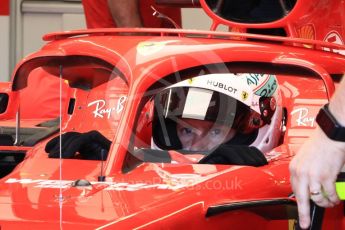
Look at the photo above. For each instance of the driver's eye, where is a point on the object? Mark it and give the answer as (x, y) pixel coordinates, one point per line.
(215, 132)
(186, 131)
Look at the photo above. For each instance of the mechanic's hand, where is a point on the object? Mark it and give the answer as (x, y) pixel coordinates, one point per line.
(235, 155)
(314, 171)
(90, 145)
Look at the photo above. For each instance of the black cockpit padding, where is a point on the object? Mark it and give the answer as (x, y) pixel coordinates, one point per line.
(6, 140)
(29, 136)
(152, 155)
(235, 155)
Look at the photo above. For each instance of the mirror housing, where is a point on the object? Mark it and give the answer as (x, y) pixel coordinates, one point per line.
(4, 98)
(251, 11)
(178, 3)
(255, 13)
(8, 101)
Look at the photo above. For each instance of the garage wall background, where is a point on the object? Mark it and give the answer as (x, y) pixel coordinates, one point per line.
(29, 20)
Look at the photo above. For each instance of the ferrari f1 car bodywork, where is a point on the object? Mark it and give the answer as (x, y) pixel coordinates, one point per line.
(105, 80)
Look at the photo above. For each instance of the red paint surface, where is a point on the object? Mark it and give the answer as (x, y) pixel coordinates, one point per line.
(4, 7)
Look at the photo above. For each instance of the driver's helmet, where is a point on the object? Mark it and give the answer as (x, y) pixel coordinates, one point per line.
(248, 103)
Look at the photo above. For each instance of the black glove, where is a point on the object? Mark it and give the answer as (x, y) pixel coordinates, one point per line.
(91, 145)
(235, 155)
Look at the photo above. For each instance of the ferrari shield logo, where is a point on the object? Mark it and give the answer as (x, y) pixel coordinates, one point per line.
(190, 81)
(147, 48)
(244, 95)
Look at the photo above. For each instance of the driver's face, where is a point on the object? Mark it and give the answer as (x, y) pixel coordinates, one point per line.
(200, 135)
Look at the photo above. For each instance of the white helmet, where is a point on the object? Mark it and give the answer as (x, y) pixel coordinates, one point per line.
(248, 103)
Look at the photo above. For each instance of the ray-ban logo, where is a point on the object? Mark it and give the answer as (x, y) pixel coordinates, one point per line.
(102, 111)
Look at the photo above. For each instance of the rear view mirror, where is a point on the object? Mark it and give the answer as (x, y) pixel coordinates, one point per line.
(251, 11)
(4, 98)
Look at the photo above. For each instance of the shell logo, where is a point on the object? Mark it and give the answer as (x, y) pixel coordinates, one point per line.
(306, 32)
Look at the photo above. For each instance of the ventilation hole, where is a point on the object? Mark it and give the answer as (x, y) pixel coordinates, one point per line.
(71, 106)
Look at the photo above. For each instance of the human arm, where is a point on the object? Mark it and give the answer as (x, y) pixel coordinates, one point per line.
(317, 163)
(125, 13)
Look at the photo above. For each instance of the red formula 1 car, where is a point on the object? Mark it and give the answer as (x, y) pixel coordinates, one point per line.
(169, 128)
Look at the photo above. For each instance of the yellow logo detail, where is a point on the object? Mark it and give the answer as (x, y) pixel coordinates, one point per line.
(146, 48)
(244, 95)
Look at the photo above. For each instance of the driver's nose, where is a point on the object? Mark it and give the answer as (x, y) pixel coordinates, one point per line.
(199, 143)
